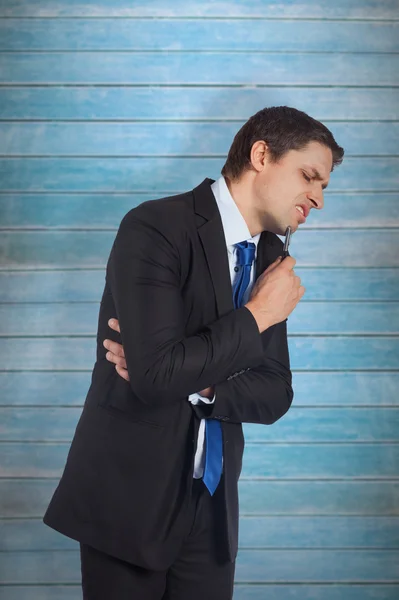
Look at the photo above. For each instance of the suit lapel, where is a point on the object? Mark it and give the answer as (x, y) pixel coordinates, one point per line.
(213, 242)
(210, 231)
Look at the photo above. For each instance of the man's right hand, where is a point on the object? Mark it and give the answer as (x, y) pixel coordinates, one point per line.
(275, 294)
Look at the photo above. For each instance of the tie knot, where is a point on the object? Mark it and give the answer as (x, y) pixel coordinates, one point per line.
(245, 253)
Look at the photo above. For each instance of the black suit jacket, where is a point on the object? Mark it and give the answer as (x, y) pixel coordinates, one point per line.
(126, 485)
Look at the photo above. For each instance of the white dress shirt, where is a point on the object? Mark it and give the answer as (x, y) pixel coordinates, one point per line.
(235, 231)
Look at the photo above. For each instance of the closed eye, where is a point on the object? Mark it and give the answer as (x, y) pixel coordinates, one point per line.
(308, 179)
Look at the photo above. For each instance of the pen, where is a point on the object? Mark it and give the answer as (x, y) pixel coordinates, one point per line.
(287, 242)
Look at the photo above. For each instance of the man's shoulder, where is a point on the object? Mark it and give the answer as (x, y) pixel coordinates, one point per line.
(163, 213)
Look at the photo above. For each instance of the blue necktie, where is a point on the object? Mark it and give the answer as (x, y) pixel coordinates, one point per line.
(213, 429)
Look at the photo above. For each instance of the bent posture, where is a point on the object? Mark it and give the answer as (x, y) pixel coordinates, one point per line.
(201, 298)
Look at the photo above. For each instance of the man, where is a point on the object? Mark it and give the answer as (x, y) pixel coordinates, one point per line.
(150, 484)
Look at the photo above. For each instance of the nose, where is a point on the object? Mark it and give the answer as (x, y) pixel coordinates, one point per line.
(317, 199)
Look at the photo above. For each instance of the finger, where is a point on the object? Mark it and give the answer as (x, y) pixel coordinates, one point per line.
(114, 324)
(117, 360)
(288, 263)
(301, 291)
(122, 372)
(114, 347)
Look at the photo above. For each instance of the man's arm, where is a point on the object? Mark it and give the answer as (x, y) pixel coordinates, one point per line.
(262, 394)
(163, 364)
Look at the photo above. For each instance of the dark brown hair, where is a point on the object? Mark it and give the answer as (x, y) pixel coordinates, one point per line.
(282, 128)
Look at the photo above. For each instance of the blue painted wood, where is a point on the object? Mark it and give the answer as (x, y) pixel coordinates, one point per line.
(321, 461)
(210, 68)
(178, 35)
(241, 592)
(29, 498)
(267, 461)
(299, 425)
(105, 211)
(315, 389)
(173, 174)
(304, 592)
(185, 102)
(252, 566)
(255, 532)
(356, 9)
(307, 353)
(189, 139)
(85, 250)
(314, 532)
(333, 284)
(310, 318)
(319, 565)
(313, 497)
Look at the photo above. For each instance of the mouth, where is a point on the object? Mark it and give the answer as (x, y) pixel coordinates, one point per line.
(301, 214)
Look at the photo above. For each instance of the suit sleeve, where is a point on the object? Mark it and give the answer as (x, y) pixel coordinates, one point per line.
(259, 395)
(164, 365)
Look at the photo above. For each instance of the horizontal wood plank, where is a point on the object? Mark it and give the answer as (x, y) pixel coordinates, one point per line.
(101, 174)
(266, 461)
(210, 68)
(333, 284)
(310, 318)
(241, 592)
(285, 566)
(198, 34)
(218, 103)
(311, 388)
(312, 248)
(105, 211)
(307, 353)
(298, 425)
(255, 532)
(356, 9)
(178, 138)
(29, 498)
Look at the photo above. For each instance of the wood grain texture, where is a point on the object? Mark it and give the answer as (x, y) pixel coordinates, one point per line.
(105, 211)
(131, 101)
(310, 318)
(86, 250)
(255, 532)
(173, 174)
(208, 68)
(300, 425)
(241, 592)
(189, 139)
(266, 461)
(314, 389)
(29, 498)
(189, 34)
(324, 353)
(183, 102)
(355, 9)
(86, 285)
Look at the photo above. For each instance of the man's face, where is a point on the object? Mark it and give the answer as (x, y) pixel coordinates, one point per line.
(293, 186)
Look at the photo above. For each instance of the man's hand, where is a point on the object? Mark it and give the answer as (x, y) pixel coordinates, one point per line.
(115, 352)
(275, 294)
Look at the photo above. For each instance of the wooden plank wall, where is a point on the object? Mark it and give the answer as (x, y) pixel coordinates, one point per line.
(107, 103)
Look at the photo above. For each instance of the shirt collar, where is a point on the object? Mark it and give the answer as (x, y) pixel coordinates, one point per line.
(234, 225)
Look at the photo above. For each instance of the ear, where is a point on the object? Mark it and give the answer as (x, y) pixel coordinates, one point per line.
(258, 156)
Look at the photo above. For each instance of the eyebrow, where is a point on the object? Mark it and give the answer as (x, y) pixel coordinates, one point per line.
(317, 176)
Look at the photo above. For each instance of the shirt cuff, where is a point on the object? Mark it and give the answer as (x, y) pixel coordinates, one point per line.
(198, 399)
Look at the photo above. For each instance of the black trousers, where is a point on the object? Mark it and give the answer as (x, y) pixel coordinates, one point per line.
(197, 574)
